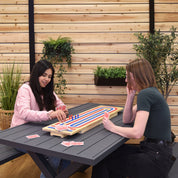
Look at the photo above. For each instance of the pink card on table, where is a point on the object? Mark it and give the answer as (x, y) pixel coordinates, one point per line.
(32, 136)
(76, 143)
(71, 143)
(66, 143)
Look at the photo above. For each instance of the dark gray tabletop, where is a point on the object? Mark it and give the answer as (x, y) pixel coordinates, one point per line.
(98, 142)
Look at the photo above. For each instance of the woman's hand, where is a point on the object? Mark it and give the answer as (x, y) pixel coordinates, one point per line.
(59, 114)
(130, 92)
(66, 112)
(108, 124)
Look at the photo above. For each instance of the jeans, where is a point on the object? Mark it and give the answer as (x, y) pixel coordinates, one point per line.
(54, 162)
(148, 160)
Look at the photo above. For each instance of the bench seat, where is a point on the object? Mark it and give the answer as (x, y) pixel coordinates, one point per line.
(8, 153)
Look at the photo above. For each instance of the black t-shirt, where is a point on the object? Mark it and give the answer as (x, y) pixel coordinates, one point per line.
(159, 122)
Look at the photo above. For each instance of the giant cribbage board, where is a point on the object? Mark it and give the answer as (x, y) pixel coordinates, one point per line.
(86, 121)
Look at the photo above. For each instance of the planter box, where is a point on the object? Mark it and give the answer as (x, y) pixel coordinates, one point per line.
(5, 118)
(101, 81)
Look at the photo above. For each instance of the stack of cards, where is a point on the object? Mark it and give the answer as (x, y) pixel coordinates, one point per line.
(71, 143)
(63, 107)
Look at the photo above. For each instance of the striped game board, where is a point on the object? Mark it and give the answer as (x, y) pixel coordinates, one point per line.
(86, 121)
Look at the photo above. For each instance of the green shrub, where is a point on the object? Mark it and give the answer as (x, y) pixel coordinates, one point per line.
(58, 51)
(111, 72)
(9, 85)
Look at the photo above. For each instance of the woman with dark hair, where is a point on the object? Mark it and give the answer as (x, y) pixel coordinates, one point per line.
(36, 101)
(152, 158)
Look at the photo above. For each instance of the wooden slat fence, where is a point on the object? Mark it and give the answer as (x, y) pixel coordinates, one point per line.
(102, 33)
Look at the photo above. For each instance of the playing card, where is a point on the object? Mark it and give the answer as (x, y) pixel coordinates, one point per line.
(76, 143)
(71, 143)
(57, 108)
(106, 114)
(61, 127)
(66, 143)
(32, 136)
(63, 107)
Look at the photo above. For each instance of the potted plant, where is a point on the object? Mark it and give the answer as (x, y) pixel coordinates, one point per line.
(9, 85)
(159, 49)
(112, 76)
(58, 51)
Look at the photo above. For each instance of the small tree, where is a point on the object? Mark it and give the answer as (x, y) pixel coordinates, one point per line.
(56, 51)
(159, 49)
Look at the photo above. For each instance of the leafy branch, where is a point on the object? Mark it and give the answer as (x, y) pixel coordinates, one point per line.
(160, 50)
(56, 51)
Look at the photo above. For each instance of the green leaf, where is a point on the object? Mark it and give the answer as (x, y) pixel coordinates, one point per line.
(10, 82)
(159, 49)
(58, 51)
(111, 72)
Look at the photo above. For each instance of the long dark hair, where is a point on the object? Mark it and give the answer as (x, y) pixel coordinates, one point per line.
(44, 96)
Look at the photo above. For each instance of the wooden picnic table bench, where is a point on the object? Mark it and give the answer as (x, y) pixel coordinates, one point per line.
(8, 153)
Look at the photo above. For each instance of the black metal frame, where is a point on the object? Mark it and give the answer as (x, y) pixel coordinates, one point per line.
(31, 33)
(151, 16)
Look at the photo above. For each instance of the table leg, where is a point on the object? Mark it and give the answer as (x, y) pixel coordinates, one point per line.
(49, 172)
(69, 170)
(43, 164)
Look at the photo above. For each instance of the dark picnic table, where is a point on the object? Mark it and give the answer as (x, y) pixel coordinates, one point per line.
(98, 143)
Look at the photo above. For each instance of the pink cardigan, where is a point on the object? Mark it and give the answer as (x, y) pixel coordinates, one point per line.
(26, 108)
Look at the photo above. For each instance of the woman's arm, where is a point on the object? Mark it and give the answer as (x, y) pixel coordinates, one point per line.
(129, 110)
(26, 107)
(59, 104)
(137, 131)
